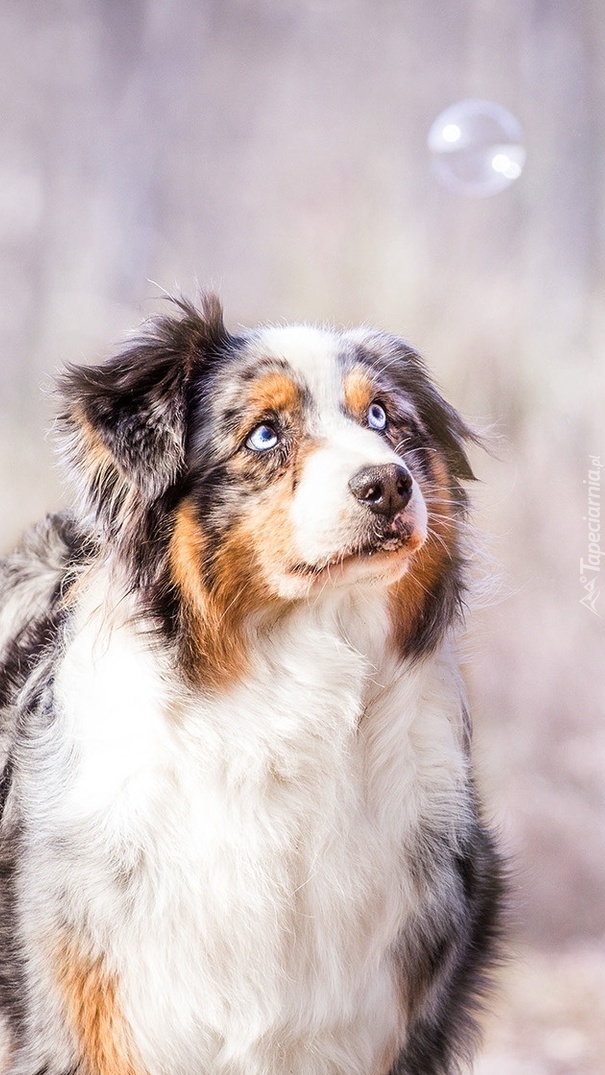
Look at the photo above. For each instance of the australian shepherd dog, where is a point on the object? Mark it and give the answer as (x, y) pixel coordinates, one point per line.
(240, 834)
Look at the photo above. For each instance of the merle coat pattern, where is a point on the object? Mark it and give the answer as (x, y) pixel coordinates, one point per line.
(239, 831)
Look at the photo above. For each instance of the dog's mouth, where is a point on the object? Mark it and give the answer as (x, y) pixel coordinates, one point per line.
(402, 538)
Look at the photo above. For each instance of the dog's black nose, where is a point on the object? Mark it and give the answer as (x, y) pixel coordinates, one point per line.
(385, 489)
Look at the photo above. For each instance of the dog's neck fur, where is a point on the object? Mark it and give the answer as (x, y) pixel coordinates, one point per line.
(341, 640)
(326, 669)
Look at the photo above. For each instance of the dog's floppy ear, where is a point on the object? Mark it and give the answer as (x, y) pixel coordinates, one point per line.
(124, 422)
(449, 429)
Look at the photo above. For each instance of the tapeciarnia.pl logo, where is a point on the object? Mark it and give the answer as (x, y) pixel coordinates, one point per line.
(590, 568)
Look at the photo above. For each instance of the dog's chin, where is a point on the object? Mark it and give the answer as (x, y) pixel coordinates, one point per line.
(380, 563)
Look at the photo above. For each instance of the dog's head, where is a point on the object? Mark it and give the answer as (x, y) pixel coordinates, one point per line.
(238, 474)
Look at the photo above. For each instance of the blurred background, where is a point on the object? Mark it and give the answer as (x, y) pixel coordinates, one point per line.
(277, 150)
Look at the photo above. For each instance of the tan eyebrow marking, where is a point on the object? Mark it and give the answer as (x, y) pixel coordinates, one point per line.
(274, 391)
(359, 390)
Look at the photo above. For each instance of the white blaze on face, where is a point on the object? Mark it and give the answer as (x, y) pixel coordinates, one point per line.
(324, 511)
(326, 517)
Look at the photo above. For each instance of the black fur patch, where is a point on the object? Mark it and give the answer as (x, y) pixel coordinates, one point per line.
(5, 782)
(450, 954)
(12, 963)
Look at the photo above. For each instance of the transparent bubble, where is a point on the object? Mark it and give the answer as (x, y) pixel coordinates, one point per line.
(476, 148)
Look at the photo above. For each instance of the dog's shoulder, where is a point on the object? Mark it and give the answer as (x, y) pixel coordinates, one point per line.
(43, 552)
(34, 580)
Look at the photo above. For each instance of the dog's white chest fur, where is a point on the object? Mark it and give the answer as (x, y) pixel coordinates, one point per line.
(251, 847)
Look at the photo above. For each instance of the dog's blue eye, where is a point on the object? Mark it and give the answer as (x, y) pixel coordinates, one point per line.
(262, 438)
(377, 416)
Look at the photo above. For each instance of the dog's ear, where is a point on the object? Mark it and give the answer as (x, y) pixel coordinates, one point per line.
(443, 422)
(450, 431)
(124, 422)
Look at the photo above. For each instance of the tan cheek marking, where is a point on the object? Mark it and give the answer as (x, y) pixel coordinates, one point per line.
(411, 592)
(358, 391)
(200, 618)
(269, 531)
(186, 554)
(90, 996)
(246, 571)
(214, 622)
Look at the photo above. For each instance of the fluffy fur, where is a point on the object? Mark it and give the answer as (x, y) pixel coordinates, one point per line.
(239, 833)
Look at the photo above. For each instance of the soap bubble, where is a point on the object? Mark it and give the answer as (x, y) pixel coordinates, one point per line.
(476, 148)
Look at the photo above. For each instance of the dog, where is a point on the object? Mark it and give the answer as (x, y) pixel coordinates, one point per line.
(240, 833)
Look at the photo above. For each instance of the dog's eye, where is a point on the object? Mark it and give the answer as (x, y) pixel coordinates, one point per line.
(377, 416)
(262, 438)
